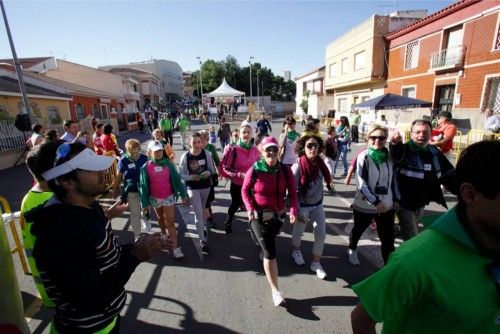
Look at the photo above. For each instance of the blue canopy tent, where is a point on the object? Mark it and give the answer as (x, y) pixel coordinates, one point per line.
(393, 101)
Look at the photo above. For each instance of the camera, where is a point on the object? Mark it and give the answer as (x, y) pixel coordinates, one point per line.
(380, 190)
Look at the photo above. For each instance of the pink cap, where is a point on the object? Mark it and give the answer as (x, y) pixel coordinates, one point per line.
(268, 141)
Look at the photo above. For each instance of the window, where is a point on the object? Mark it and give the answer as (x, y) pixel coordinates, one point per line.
(409, 92)
(333, 70)
(497, 41)
(342, 105)
(104, 111)
(343, 66)
(54, 116)
(411, 58)
(309, 86)
(492, 94)
(80, 111)
(318, 86)
(96, 111)
(359, 60)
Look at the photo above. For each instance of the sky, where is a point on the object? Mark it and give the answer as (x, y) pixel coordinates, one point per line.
(281, 35)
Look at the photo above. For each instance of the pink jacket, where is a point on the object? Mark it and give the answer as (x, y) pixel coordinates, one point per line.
(241, 164)
(264, 195)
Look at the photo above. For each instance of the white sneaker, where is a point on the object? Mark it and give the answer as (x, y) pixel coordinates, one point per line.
(318, 269)
(146, 225)
(178, 253)
(278, 298)
(298, 258)
(352, 256)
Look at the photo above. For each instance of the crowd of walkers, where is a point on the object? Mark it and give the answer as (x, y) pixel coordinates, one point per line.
(268, 177)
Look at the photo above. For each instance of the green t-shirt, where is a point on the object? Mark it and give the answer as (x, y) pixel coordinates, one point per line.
(183, 124)
(166, 124)
(30, 201)
(213, 151)
(356, 119)
(436, 282)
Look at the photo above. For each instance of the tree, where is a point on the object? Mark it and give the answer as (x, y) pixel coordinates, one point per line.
(305, 101)
(238, 77)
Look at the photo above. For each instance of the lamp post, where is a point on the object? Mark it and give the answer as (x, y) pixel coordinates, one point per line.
(201, 81)
(258, 93)
(250, 63)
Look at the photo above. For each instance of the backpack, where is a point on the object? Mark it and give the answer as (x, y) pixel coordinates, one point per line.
(330, 151)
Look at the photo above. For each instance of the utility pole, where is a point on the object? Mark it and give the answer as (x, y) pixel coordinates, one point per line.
(258, 95)
(25, 107)
(201, 81)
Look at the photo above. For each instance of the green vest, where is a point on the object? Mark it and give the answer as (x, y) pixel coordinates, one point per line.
(166, 124)
(32, 200)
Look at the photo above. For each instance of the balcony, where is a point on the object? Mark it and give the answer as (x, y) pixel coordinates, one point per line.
(448, 58)
(131, 96)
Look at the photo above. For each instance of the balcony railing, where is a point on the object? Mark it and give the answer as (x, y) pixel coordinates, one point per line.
(448, 58)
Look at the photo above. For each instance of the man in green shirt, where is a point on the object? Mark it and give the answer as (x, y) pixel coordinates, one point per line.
(355, 121)
(183, 125)
(447, 279)
(167, 126)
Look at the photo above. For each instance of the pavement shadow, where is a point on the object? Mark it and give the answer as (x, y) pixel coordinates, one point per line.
(304, 308)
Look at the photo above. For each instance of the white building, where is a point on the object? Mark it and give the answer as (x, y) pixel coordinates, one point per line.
(310, 87)
(168, 72)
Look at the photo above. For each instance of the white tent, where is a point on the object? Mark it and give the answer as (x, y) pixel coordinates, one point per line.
(225, 90)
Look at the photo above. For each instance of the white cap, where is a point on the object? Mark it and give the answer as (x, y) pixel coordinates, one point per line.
(85, 160)
(155, 145)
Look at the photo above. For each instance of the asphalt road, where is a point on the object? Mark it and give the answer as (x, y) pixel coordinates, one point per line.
(227, 291)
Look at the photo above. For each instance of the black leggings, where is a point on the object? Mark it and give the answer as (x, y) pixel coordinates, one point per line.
(236, 201)
(265, 235)
(385, 230)
(169, 137)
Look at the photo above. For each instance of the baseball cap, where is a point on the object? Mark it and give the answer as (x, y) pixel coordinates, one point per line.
(268, 141)
(446, 114)
(154, 146)
(85, 160)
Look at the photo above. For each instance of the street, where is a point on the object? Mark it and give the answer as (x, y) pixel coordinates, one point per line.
(226, 291)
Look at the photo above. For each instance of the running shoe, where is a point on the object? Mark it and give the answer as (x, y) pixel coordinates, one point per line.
(298, 258)
(352, 256)
(204, 247)
(318, 269)
(178, 253)
(278, 298)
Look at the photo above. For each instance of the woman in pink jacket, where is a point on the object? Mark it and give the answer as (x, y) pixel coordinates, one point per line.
(235, 163)
(264, 189)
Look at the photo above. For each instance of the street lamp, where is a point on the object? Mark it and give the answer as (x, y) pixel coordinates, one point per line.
(258, 94)
(201, 81)
(250, 63)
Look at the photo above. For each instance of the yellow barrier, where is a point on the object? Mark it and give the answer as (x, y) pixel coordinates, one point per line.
(474, 136)
(458, 145)
(19, 249)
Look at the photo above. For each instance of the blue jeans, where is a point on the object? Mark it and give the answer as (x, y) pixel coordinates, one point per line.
(223, 143)
(342, 155)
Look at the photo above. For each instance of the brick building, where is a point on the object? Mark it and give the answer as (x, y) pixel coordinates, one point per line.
(450, 58)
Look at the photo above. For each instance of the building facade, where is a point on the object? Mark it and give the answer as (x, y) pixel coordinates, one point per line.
(309, 88)
(450, 58)
(355, 62)
(169, 74)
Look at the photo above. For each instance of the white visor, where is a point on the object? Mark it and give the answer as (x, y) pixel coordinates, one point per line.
(85, 160)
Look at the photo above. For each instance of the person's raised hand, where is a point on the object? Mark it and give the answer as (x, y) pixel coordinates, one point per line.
(148, 245)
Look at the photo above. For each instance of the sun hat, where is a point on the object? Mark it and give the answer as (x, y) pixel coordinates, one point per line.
(85, 160)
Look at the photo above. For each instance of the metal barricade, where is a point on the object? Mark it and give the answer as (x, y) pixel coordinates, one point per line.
(474, 136)
(10, 218)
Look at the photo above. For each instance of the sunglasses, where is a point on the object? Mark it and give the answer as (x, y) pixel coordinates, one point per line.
(272, 149)
(312, 146)
(380, 138)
